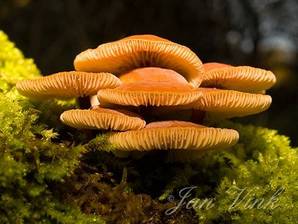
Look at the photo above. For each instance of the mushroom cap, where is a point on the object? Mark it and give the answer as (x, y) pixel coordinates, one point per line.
(179, 135)
(146, 37)
(151, 86)
(67, 85)
(101, 118)
(141, 51)
(242, 78)
(230, 103)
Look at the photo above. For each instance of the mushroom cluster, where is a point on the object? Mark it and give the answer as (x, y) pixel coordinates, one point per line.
(152, 93)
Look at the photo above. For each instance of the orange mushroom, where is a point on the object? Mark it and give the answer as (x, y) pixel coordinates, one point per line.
(174, 135)
(151, 87)
(219, 104)
(102, 118)
(67, 85)
(155, 76)
(242, 78)
(137, 51)
(230, 103)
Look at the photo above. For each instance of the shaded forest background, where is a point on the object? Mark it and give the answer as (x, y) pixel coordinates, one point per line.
(251, 32)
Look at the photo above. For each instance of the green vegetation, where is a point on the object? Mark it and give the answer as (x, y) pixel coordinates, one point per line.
(29, 159)
(51, 174)
(264, 167)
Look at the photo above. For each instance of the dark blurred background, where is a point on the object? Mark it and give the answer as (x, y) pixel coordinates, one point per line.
(261, 33)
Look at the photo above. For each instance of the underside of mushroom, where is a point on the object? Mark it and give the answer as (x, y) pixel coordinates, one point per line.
(146, 91)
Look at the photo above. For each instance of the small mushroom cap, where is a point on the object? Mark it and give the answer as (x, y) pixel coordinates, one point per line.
(101, 118)
(242, 78)
(151, 86)
(146, 37)
(230, 103)
(141, 51)
(67, 85)
(180, 135)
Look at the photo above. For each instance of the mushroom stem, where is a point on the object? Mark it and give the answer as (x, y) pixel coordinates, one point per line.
(94, 102)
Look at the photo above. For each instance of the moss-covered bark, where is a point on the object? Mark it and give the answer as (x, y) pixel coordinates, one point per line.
(53, 174)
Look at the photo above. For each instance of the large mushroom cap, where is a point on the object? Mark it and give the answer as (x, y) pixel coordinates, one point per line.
(230, 103)
(174, 135)
(67, 85)
(101, 118)
(141, 51)
(151, 86)
(242, 78)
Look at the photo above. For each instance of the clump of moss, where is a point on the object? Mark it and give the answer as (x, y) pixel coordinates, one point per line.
(97, 191)
(255, 182)
(53, 174)
(29, 159)
(13, 65)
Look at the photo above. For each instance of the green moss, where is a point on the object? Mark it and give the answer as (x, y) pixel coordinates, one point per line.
(13, 65)
(50, 173)
(30, 161)
(261, 165)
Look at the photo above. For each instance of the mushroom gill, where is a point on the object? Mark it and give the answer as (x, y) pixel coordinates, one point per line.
(137, 51)
(151, 87)
(180, 135)
(230, 103)
(241, 78)
(67, 85)
(219, 104)
(237, 91)
(102, 118)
